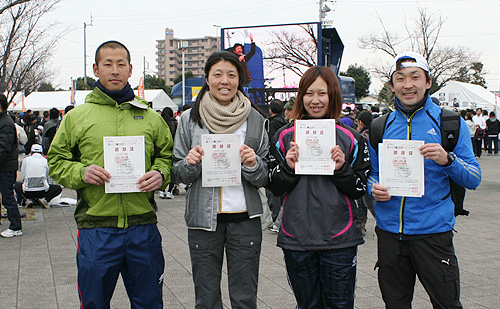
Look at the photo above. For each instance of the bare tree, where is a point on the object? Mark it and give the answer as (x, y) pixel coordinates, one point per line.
(445, 62)
(10, 4)
(292, 51)
(26, 45)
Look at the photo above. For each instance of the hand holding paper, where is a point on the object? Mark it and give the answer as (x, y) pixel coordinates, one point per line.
(195, 154)
(248, 156)
(292, 156)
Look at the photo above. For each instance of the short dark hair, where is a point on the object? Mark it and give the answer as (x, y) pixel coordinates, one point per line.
(276, 106)
(492, 114)
(68, 108)
(334, 94)
(365, 117)
(45, 114)
(112, 45)
(54, 113)
(3, 102)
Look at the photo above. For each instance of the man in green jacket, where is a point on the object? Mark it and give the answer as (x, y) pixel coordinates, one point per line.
(117, 231)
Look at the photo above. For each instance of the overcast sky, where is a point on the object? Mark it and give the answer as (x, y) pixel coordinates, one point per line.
(138, 24)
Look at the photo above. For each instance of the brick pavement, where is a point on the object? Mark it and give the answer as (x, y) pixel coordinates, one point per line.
(38, 269)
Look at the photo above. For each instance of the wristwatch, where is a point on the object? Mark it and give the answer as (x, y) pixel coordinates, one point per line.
(451, 159)
(162, 175)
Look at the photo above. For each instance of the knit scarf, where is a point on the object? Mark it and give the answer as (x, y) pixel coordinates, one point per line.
(226, 119)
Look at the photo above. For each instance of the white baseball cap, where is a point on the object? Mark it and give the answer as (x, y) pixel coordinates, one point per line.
(37, 148)
(420, 62)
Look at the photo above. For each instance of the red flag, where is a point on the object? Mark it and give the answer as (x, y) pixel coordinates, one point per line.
(140, 88)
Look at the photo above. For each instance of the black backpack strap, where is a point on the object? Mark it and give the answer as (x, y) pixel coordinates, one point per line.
(377, 128)
(450, 129)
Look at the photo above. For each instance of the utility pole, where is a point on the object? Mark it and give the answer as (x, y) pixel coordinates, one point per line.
(323, 9)
(85, 50)
(144, 71)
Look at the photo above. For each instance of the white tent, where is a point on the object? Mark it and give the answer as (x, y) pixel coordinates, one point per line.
(468, 95)
(44, 101)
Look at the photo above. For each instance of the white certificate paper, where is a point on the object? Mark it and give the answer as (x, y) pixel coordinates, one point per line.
(401, 167)
(221, 163)
(315, 139)
(124, 159)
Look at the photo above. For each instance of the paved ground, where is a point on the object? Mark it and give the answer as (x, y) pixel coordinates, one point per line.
(38, 269)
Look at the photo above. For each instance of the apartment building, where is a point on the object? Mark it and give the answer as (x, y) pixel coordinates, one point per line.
(169, 55)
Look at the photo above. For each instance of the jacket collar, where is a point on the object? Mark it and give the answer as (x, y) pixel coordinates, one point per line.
(99, 97)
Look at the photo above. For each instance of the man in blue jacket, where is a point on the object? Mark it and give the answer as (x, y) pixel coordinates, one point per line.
(415, 233)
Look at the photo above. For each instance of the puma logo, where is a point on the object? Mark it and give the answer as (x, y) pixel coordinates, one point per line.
(447, 262)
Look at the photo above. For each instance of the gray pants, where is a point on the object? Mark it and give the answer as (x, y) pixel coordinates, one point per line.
(242, 243)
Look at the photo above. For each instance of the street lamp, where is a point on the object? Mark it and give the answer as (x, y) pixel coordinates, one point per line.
(183, 45)
(217, 34)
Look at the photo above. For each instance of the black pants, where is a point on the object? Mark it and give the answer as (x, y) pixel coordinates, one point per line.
(7, 180)
(478, 143)
(432, 259)
(53, 191)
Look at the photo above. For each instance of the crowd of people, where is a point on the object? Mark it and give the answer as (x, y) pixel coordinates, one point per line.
(320, 219)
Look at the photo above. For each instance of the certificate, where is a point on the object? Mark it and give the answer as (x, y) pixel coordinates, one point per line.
(401, 167)
(315, 139)
(221, 163)
(124, 159)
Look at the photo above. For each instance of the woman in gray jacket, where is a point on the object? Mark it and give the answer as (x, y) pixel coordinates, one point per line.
(227, 217)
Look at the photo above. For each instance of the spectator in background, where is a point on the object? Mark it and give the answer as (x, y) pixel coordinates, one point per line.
(45, 118)
(276, 117)
(184, 108)
(288, 108)
(375, 111)
(345, 119)
(276, 121)
(38, 118)
(35, 171)
(8, 170)
(22, 138)
(480, 122)
(492, 130)
(472, 127)
(29, 127)
(168, 115)
(49, 129)
(366, 202)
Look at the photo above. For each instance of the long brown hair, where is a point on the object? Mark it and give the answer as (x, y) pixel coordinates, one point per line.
(334, 94)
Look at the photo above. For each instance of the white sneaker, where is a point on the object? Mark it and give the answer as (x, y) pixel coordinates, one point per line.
(8, 233)
(170, 195)
(162, 195)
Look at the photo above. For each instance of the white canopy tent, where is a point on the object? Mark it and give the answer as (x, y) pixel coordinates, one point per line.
(44, 101)
(468, 96)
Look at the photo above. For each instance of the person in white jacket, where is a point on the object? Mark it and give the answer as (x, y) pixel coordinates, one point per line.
(35, 171)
